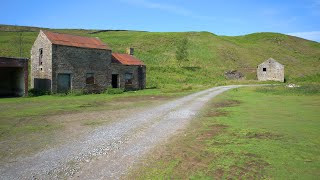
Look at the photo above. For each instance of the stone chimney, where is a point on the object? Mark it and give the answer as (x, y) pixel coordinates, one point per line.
(130, 51)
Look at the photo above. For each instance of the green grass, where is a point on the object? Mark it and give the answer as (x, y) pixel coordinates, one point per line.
(209, 55)
(247, 133)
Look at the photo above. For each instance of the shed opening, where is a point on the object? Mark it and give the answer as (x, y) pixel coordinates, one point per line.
(12, 81)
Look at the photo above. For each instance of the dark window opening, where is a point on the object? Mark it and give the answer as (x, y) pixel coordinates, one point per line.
(90, 78)
(40, 56)
(264, 69)
(128, 78)
(115, 80)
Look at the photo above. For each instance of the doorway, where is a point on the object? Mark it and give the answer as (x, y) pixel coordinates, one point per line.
(12, 82)
(64, 83)
(115, 80)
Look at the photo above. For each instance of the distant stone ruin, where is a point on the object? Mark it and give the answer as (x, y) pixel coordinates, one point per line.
(233, 74)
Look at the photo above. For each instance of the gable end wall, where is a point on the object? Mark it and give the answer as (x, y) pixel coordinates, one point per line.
(41, 79)
(274, 71)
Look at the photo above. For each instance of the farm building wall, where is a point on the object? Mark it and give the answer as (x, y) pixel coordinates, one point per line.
(78, 62)
(41, 63)
(270, 70)
(138, 76)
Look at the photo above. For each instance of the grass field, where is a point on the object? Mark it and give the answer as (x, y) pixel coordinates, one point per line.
(248, 133)
(209, 55)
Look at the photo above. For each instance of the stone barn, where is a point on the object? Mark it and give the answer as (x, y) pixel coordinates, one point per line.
(63, 62)
(270, 70)
(13, 77)
(128, 72)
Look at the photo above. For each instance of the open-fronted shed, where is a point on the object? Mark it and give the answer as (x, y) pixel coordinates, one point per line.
(13, 76)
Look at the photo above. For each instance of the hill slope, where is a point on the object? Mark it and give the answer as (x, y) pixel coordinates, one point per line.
(209, 56)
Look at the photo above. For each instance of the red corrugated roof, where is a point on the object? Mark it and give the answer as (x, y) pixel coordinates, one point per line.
(76, 41)
(125, 59)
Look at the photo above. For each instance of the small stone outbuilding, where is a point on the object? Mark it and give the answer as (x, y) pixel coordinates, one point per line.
(64, 62)
(127, 71)
(270, 70)
(13, 77)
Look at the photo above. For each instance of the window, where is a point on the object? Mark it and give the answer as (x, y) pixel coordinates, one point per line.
(40, 56)
(128, 78)
(264, 69)
(90, 78)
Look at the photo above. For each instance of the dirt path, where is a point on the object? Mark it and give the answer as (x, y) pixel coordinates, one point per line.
(108, 152)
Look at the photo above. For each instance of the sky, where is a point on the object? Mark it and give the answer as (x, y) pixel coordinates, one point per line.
(229, 17)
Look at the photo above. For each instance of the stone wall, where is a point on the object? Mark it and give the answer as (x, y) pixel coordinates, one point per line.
(270, 70)
(138, 82)
(78, 62)
(41, 74)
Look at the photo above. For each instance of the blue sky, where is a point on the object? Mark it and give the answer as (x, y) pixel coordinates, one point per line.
(229, 17)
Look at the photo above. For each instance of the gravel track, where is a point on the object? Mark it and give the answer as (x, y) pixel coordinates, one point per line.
(108, 152)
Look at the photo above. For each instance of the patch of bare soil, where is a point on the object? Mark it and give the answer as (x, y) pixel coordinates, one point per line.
(216, 112)
(213, 131)
(252, 169)
(226, 103)
(144, 98)
(263, 135)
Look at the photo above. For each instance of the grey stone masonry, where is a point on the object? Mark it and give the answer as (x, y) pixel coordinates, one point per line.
(270, 70)
(138, 72)
(78, 62)
(41, 73)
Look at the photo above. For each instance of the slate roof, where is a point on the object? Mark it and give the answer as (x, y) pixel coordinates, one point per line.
(75, 41)
(126, 59)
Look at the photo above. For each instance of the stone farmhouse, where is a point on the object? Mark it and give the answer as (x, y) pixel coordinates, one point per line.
(63, 62)
(270, 70)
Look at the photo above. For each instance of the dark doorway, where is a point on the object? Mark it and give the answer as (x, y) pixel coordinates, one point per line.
(11, 81)
(140, 77)
(115, 80)
(64, 83)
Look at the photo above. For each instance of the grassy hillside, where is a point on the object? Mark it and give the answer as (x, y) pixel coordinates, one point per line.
(209, 55)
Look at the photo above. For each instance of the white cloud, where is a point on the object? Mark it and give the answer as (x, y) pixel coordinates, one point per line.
(312, 35)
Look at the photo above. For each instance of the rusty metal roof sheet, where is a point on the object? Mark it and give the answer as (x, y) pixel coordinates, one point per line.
(75, 41)
(126, 59)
